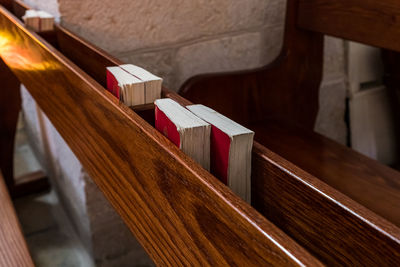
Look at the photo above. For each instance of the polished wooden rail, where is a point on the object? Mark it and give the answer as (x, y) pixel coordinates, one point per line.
(331, 226)
(10, 105)
(297, 70)
(370, 22)
(13, 249)
(177, 210)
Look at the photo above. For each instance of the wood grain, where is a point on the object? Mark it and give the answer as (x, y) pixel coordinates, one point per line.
(371, 22)
(345, 216)
(10, 105)
(287, 88)
(177, 210)
(366, 181)
(332, 252)
(333, 227)
(6, 3)
(19, 8)
(391, 64)
(13, 249)
(88, 57)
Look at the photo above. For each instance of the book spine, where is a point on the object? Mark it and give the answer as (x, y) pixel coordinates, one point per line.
(112, 85)
(167, 127)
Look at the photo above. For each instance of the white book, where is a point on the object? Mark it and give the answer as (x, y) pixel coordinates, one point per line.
(190, 133)
(32, 20)
(46, 21)
(238, 141)
(152, 82)
(131, 89)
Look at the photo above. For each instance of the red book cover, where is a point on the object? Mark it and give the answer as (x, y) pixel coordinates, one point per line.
(219, 153)
(112, 84)
(167, 127)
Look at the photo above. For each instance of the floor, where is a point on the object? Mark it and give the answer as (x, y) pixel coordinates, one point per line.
(51, 238)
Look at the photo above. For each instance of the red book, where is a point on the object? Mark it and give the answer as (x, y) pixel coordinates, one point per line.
(125, 86)
(184, 129)
(112, 83)
(231, 146)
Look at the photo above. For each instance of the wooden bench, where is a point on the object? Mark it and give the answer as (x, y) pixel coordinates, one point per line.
(179, 212)
(280, 101)
(13, 249)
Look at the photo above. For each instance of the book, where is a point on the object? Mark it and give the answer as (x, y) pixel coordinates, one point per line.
(133, 85)
(126, 87)
(152, 83)
(46, 21)
(38, 21)
(190, 133)
(32, 20)
(231, 147)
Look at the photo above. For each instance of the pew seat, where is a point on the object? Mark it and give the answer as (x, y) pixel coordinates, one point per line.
(365, 180)
(13, 249)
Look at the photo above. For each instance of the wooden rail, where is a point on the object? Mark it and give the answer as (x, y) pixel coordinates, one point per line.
(371, 22)
(177, 210)
(268, 198)
(196, 209)
(13, 249)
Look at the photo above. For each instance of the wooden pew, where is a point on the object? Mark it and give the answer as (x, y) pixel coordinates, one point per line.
(10, 105)
(13, 249)
(267, 199)
(331, 226)
(281, 99)
(178, 211)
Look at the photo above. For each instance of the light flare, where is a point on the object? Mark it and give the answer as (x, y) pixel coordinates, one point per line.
(19, 57)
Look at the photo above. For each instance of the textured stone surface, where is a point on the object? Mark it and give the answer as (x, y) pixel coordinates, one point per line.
(127, 25)
(275, 13)
(48, 232)
(330, 120)
(229, 53)
(334, 59)
(160, 62)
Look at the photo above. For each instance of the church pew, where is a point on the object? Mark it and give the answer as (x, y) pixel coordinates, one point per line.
(334, 238)
(13, 249)
(281, 98)
(178, 211)
(10, 105)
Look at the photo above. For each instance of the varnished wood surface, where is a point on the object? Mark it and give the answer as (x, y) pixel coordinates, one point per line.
(287, 88)
(177, 210)
(366, 181)
(91, 59)
(370, 22)
(6, 3)
(391, 63)
(18, 8)
(333, 227)
(10, 105)
(29, 183)
(13, 249)
(332, 252)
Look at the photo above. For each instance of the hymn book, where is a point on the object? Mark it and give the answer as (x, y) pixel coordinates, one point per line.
(231, 146)
(190, 133)
(133, 85)
(126, 87)
(38, 21)
(152, 83)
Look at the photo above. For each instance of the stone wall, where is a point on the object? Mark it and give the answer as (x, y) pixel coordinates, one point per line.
(174, 39)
